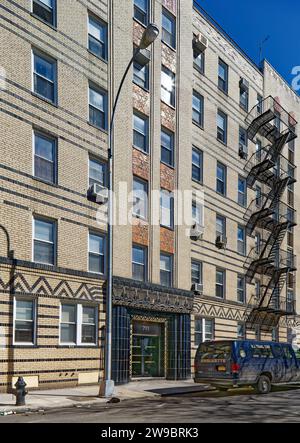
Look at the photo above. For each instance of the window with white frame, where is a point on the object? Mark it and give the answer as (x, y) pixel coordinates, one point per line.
(141, 75)
(45, 10)
(197, 165)
(168, 28)
(241, 240)
(220, 226)
(241, 288)
(140, 198)
(78, 324)
(197, 213)
(44, 239)
(222, 127)
(199, 60)
(44, 76)
(141, 11)
(24, 321)
(196, 272)
(140, 132)
(166, 270)
(97, 172)
(167, 86)
(97, 107)
(166, 209)
(139, 263)
(96, 253)
(220, 283)
(45, 157)
(97, 37)
(198, 109)
(204, 330)
(167, 147)
(242, 191)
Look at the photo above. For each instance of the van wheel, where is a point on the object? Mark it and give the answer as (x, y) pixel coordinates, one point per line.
(263, 385)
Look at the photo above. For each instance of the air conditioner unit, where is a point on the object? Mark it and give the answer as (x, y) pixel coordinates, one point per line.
(98, 192)
(142, 57)
(243, 151)
(200, 43)
(196, 232)
(244, 83)
(197, 288)
(221, 242)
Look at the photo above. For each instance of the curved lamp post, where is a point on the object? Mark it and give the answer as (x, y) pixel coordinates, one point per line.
(107, 385)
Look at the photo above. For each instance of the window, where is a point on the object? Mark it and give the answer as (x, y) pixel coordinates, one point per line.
(139, 263)
(45, 10)
(197, 165)
(167, 86)
(241, 289)
(141, 11)
(243, 137)
(258, 196)
(44, 157)
(241, 240)
(220, 283)
(241, 331)
(257, 243)
(44, 250)
(167, 147)
(196, 271)
(197, 213)
(199, 60)
(223, 76)
(258, 150)
(259, 104)
(97, 172)
(97, 108)
(24, 321)
(257, 289)
(242, 191)
(220, 226)
(222, 127)
(166, 209)
(221, 178)
(97, 38)
(198, 109)
(168, 29)
(140, 198)
(140, 132)
(78, 324)
(244, 97)
(141, 75)
(96, 253)
(204, 330)
(166, 270)
(44, 76)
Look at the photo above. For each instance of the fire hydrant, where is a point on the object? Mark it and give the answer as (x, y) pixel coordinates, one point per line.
(20, 391)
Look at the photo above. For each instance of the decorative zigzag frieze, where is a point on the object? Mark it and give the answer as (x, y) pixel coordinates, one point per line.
(43, 286)
(218, 311)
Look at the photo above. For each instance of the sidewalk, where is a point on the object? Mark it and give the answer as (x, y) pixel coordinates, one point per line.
(85, 395)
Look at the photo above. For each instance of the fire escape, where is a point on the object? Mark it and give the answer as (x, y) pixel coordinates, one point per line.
(268, 217)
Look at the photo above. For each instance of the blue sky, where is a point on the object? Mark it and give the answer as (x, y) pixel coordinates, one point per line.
(250, 21)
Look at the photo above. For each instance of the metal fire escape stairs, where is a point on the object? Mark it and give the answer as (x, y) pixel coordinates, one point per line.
(270, 214)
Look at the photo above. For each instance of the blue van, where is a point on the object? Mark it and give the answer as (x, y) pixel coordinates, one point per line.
(236, 363)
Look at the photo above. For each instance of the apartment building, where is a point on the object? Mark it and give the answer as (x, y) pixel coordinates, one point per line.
(195, 114)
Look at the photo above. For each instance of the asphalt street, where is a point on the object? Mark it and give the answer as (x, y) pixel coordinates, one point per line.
(280, 406)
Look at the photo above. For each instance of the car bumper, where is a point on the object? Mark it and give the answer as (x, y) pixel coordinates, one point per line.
(221, 382)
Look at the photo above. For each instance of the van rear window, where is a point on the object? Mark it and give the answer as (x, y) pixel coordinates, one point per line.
(215, 351)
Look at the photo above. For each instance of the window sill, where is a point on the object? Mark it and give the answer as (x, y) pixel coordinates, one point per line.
(167, 227)
(222, 195)
(35, 94)
(139, 217)
(97, 56)
(198, 69)
(223, 143)
(168, 104)
(140, 150)
(142, 87)
(199, 182)
(25, 345)
(223, 92)
(40, 180)
(51, 265)
(169, 166)
(198, 126)
(169, 46)
(105, 131)
(54, 27)
(140, 23)
(244, 109)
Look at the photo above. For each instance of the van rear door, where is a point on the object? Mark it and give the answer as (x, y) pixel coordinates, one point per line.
(213, 360)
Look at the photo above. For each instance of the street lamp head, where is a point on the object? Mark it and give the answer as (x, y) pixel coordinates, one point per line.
(150, 34)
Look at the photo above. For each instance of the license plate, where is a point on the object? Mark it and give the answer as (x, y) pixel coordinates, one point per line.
(221, 368)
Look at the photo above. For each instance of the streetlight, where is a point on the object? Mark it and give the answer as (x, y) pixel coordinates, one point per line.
(107, 385)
